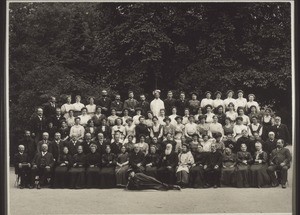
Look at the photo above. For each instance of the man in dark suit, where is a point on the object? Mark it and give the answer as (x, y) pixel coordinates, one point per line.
(105, 103)
(144, 105)
(117, 105)
(280, 160)
(281, 131)
(101, 143)
(57, 119)
(50, 107)
(56, 146)
(270, 143)
(182, 104)
(86, 143)
(72, 145)
(136, 159)
(169, 102)
(42, 165)
(116, 145)
(29, 144)
(45, 140)
(22, 166)
(131, 103)
(142, 129)
(38, 124)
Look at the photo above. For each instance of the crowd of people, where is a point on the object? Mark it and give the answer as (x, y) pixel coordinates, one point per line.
(190, 143)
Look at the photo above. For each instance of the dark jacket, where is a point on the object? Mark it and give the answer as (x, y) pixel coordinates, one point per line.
(169, 160)
(93, 159)
(42, 161)
(56, 148)
(18, 158)
(213, 159)
(282, 132)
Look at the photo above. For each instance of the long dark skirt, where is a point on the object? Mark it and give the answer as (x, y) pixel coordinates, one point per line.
(121, 178)
(60, 177)
(166, 175)
(212, 176)
(151, 171)
(259, 176)
(242, 175)
(107, 177)
(196, 177)
(228, 176)
(182, 178)
(77, 177)
(92, 174)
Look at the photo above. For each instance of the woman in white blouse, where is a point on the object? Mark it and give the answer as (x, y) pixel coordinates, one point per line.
(77, 106)
(231, 112)
(218, 101)
(91, 107)
(251, 102)
(84, 117)
(241, 113)
(240, 101)
(206, 101)
(65, 108)
(229, 99)
(209, 114)
(238, 128)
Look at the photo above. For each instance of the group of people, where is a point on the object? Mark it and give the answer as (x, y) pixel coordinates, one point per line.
(191, 143)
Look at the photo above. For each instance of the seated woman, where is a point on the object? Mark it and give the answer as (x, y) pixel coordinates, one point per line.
(259, 176)
(149, 120)
(199, 113)
(196, 171)
(253, 112)
(203, 127)
(173, 116)
(70, 119)
(231, 113)
(206, 142)
(107, 173)
(130, 144)
(92, 129)
(185, 161)
(255, 127)
(93, 161)
(238, 128)
(169, 161)
(77, 130)
(228, 177)
(122, 167)
(77, 172)
(105, 129)
(84, 117)
(118, 127)
(162, 116)
(241, 113)
(185, 118)
(136, 159)
(129, 130)
(125, 116)
(244, 160)
(216, 127)
(219, 142)
(209, 114)
(112, 118)
(64, 130)
(179, 131)
(144, 147)
(193, 145)
(64, 163)
(98, 116)
(156, 130)
(91, 107)
(228, 127)
(151, 162)
(135, 118)
(168, 128)
(140, 181)
(220, 114)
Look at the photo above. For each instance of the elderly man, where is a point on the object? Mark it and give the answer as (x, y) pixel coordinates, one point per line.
(212, 168)
(42, 165)
(271, 143)
(157, 104)
(281, 131)
(136, 159)
(45, 140)
(72, 145)
(29, 144)
(22, 166)
(105, 103)
(280, 160)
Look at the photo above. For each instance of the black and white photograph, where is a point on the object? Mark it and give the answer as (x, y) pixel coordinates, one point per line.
(182, 107)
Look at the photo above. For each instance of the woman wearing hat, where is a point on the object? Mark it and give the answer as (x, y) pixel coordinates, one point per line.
(129, 130)
(218, 101)
(91, 107)
(251, 102)
(209, 114)
(229, 99)
(136, 118)
(185, 162)
(194, 103)
(125, 116)
(241, 101)
(231, 113)
(206, 101)
(156, 104)
(156, 130)
(203, 127)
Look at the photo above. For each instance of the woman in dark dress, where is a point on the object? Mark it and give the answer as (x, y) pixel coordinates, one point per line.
(92, 129)
(197, 172)
(228, 171)
(266, 122)
(105, 129)
(64, 162)
(220, 114)
(152, 162)
(107, 173)
(156, 130)
(244, 160)
(77, 172)
(93, 161)
(64, 131)
(258, 170)
(122, 167)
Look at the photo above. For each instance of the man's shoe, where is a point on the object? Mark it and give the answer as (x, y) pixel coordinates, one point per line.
(284, 186)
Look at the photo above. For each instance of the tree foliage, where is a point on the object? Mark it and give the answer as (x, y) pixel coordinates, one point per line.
(81, 48)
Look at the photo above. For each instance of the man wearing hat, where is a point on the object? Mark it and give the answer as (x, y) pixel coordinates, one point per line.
(218, 101)
(169, 103)
(131, 103)
(241, 101)
(157, 104)
(207, 100)
(194, 103)
(117, 105)
(105, 103)
(229, 99)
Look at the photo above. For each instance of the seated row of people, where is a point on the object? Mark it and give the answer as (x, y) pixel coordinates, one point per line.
(187, 169)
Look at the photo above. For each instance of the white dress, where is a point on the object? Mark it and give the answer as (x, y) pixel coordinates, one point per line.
(65, 108)
(229, 100)
(156, 105)
(84, 119)
(205, 102)
(218, 102)
(241, 102)
(91, 109)
(185, 161)
(78, 106)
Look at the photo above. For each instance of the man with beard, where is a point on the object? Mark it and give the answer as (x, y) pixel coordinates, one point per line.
(22, 166)
(271, 143)
(136, 159)
(169, 103)
(244, 139)
(105, 103)
(212, 168)
(169, 161)
(280, 160)
(29, 144)
(87, 143)
(45, 140)
(281, 131)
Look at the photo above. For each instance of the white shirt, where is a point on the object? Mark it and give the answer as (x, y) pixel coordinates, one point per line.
(136, 120)
(91, 109)
(173, 121)
(218, 102)
(237, 130)
(246, 120)
(209, 118)
(241, 102)
(161, 120)
(78, 106)
(205, 102)
(84, 119)
(254, 128)
(77, 130)
(249, 104)
(207, 145)
(229, 100)
(190, 128)
(43, 153)
(232, 115)
(156, 105)
(216, 127)
(65, 108)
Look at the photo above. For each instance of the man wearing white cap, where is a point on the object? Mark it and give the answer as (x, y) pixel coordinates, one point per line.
(157, 104)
